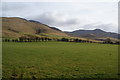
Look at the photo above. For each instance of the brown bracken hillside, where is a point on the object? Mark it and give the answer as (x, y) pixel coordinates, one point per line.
(15, 27)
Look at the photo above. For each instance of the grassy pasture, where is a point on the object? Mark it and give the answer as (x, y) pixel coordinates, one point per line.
(59, 60)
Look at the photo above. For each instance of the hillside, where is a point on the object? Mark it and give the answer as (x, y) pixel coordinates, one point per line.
(94, 34)
(15, 27)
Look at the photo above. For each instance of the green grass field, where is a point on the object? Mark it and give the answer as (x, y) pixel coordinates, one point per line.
(59, 60)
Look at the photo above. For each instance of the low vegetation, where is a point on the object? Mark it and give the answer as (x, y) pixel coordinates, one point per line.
(59, 60)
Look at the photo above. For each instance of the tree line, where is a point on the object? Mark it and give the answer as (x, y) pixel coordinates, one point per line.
(109, 41)
(41, 39)
(24, 39)
(37, 39)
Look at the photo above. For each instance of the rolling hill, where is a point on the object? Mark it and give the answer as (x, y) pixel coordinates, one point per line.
(14, 27)
(97, 34)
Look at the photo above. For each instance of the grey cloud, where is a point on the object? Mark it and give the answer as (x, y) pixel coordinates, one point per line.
(56, 19)
(72, 22)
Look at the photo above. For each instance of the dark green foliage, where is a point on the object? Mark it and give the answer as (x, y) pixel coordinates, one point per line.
(77, 40)
(65, 39)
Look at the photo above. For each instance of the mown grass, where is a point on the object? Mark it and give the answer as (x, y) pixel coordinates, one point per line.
(59, 60)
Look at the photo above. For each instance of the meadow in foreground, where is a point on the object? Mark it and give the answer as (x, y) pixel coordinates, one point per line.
(59, 60)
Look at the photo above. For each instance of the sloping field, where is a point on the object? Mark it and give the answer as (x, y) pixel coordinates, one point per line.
(59, 60)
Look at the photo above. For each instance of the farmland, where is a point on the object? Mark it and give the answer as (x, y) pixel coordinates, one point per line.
(59, 60)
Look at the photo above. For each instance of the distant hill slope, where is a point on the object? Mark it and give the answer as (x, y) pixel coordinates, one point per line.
(93, 34)
(15, 27)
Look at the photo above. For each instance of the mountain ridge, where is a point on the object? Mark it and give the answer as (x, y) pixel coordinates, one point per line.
(15, 27)
(93, 34)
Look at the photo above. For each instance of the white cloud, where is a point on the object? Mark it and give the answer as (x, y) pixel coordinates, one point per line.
(60, 0)
(67, 16)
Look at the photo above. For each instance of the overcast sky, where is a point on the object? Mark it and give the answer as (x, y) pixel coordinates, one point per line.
(67, 16)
